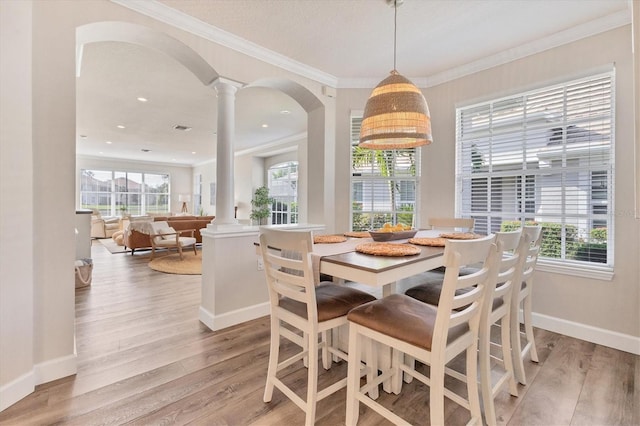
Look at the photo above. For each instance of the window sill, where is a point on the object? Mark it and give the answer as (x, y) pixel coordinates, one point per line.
(604, 273)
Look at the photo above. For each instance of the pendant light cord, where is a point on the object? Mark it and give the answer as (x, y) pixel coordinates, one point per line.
(395, 30)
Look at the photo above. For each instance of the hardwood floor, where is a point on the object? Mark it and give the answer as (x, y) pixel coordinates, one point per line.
(145, 359)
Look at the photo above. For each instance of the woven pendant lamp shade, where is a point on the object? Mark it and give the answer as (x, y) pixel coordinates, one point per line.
(396, 116)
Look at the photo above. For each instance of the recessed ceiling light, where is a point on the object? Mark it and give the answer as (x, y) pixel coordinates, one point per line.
(120, 126)
(182, 127)
(101, 153)
(285, 112)
(193, 152)
(145, 150)
(141, 99)
(83, 136)
(108, 142)
(173, 159)
(265, 125)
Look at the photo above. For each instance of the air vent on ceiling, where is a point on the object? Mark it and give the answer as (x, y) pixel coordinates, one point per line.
(182, 128)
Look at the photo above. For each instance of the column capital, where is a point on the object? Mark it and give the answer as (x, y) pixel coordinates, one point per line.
(222, 83)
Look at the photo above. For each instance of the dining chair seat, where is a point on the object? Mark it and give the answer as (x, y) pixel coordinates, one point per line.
(301, 312)
(332, 300)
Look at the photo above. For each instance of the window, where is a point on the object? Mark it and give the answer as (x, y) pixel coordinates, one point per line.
(283, 188)
(384, 184)
(543, 156)
(114, 192)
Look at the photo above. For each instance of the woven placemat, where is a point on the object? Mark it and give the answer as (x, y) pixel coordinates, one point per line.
(388, 249)
(460, 236)
(357, 234)
(327, 239)
(433, 242)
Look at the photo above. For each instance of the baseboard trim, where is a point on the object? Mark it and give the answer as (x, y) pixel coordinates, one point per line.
(17, 389)
(44, 372)
(228, 319)
(56, 369)
(600, 336)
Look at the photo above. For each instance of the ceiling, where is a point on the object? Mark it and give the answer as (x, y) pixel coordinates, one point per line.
(341, 43)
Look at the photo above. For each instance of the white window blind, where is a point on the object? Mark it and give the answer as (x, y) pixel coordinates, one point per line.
(543, 156)
(384, 184)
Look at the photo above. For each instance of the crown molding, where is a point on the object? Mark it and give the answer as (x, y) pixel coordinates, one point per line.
(279, 145)
(188, 23)
(597, 26)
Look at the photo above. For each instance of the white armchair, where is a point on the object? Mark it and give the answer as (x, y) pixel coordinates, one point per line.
(164, 236)
(103, 227)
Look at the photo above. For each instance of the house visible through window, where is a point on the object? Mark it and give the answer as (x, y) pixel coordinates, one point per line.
(384, 184)
(283, 188)
(544, 156)
(114, 192)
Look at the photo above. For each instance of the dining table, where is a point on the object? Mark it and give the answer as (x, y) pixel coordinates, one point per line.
(342, 261)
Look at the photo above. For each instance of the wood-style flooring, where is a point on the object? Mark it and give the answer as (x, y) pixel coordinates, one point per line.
(145, 359)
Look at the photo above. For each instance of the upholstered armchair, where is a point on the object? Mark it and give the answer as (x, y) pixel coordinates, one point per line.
(103, 227)
(164, 236)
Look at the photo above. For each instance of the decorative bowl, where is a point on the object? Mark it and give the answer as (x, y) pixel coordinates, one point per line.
(390, 236)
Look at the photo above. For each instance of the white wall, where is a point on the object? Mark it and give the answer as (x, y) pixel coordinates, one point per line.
(181, 178)
(17, 262)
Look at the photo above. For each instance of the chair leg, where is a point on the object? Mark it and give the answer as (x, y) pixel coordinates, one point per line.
(312, 380)
(507, 359)
(326, 342)
(305, 347)
(516, 346)
(472, 385)
(528, 328)
(353, 375)
(180, 251)
(486, 384)
(371, 359)
(436, 391)
(274, 353)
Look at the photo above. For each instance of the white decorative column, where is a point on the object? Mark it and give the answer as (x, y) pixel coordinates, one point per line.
(225, 187)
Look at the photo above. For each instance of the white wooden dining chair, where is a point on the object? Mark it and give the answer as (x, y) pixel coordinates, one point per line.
(311, 309)
(451, 223)
(495, 311)
(164, 236)
(522, 298)
(430, 334)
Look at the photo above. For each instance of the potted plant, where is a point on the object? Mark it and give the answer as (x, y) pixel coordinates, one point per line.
(261, 205)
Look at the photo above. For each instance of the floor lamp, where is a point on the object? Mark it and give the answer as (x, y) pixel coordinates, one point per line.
(184, 198)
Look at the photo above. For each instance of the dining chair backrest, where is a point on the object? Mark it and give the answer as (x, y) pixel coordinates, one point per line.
(535, 235)
(288, 267)
(451, 223)
(457, 308)
(514, 247)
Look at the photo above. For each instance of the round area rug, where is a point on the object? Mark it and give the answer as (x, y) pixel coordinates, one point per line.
(171, 264)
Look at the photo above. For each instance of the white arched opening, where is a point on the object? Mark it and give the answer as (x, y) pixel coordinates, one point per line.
(312, 200)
